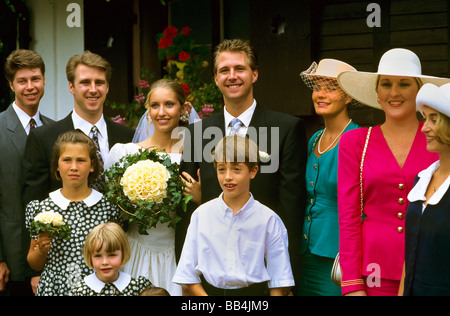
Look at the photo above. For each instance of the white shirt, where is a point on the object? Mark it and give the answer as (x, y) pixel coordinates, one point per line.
(85, 127)
(418, 192)
(24, 118)
(245, 118)
(229, 250)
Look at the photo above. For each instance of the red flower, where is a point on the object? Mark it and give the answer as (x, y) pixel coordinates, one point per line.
(171, 32)
(165, 42)
(186, 31)
(186, 89)
(183, 56)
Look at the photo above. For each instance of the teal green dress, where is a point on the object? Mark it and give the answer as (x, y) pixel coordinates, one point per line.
(320, 237)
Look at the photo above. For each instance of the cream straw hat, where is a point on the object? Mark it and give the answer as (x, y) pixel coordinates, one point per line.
(327, 68)
(434, 97)
(395, 62)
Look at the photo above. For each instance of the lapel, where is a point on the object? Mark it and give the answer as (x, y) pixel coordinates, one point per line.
(15, 129)
(112, 133)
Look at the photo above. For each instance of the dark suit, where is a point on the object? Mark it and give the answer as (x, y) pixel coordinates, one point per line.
(283, 190)
(14, 238)
(38, 182)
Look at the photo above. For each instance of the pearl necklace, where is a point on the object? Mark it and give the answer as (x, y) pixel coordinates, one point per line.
(320, 140)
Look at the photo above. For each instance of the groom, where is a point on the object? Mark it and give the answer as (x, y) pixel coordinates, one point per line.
(88, 75)
(281, 185)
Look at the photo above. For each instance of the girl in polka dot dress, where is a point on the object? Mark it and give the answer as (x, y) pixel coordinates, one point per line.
(106, 251)
(82, 208)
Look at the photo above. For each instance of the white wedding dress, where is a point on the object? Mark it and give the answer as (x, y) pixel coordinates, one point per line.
(152, 255)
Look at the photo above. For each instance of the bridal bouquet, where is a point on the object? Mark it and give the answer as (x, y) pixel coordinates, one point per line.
(147, 189)
(51, 222)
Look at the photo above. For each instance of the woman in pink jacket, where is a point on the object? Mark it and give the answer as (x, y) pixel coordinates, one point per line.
(372, 243)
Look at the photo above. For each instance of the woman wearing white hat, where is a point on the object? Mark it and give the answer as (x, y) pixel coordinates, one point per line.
(427, 246)
(376, 171)
(320, 243)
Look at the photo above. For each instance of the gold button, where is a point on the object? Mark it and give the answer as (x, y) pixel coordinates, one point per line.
(400, 229)
(312, 201)
(309, 219)
(304, 236)
(401, 201)
(401, 186)
(400, 215)
(315, 166)
(312, 184)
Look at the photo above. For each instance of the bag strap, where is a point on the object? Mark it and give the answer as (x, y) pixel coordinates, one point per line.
(361, 169)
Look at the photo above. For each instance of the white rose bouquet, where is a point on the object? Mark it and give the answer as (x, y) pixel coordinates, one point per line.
(51, 222)
(147, 189)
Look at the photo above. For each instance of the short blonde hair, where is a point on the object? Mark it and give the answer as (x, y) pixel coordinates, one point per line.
(111, 235)
(443, 129)
(236, 46)
(89, 59)
(236, 148)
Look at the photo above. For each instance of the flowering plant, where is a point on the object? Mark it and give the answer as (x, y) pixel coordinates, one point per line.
(51, 222)
(186, 62)
(134, 111)
(147, 188)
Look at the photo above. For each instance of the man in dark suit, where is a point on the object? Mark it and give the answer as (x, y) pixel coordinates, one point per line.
(88, 75)
(25, 72)
(280, 184)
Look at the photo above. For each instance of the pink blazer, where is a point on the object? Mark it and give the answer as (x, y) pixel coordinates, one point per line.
(377, 246)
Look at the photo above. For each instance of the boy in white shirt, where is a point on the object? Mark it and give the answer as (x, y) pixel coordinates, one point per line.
(234, 244)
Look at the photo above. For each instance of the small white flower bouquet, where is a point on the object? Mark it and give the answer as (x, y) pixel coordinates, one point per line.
(147, 189)
(51, 222)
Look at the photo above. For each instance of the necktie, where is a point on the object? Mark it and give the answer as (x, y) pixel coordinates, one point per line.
(235, 125)
(32, 123)
(95, 183)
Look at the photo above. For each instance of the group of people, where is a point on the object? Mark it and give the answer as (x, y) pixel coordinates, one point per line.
(246, 231)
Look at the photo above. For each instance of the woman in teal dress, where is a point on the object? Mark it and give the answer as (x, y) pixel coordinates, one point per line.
(320, 238)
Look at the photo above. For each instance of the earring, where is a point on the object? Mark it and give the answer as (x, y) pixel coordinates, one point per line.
(378, 100)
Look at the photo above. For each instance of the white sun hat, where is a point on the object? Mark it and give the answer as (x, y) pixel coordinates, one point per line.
(434, 97)
(395, 62)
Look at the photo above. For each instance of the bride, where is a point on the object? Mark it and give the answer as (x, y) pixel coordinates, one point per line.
(153, 255)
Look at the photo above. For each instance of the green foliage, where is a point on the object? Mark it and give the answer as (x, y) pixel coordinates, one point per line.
(146, 214)
(62, 232)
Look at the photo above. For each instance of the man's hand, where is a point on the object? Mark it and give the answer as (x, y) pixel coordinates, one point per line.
(4, 275)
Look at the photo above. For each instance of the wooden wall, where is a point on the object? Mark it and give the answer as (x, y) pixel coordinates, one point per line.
(339, 30)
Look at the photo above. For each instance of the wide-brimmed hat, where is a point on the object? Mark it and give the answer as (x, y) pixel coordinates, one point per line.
(395, 62)
(435, 97)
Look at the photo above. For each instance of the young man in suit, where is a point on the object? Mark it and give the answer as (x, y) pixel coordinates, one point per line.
(280, 185)
(25, 72)
(88, 75)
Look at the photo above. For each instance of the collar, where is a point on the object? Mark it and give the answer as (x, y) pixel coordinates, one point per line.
(418, 192)
(24, 118)
(225, 209)
(96, 285)
(61, 201)
(245, 117)
(85, 127)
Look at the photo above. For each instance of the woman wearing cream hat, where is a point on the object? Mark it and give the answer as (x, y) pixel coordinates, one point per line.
(376, 171)
(427, 249)
(320, 242)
